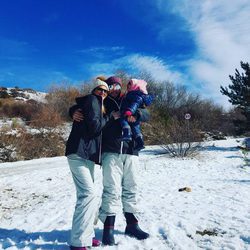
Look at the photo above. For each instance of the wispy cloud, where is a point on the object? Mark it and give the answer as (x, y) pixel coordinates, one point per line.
(135, 64)
(222, 36)
(155, 66)
(101, 68)
(103, 51)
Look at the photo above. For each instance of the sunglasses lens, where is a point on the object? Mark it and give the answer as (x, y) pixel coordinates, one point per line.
(117, 87)
(114, 87)
(102, 90)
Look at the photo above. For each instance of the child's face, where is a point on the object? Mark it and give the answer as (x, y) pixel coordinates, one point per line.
(115, 90)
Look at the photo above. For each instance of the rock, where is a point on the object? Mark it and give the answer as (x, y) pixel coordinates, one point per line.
(186, 189)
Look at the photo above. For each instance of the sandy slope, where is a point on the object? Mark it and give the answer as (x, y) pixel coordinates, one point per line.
(37, 201)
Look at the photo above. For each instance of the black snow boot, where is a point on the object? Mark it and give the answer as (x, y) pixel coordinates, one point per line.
(108, 231)
(139, 143)
(133, 229)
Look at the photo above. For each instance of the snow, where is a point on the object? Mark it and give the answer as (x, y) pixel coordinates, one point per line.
(26, 94)
(37, 201)
(7, 125)
(37, 96)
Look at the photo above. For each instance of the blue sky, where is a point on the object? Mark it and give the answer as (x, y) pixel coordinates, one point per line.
(189, 42)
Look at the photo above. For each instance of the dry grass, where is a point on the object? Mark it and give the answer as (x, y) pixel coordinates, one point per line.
(13, 108)
(46, 117)
(26, 146)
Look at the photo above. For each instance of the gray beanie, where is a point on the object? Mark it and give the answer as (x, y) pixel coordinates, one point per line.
(98, 83)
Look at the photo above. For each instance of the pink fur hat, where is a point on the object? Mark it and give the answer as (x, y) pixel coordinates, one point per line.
(137, 84)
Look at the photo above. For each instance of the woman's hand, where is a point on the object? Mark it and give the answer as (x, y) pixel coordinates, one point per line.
(116, 114)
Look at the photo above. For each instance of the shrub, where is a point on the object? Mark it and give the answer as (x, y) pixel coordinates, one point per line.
(16, 123)
(12, 108)
(7, 148)
(4, 93)
(179, 138)
(27, 146)
(175, 100)
(45, 117)
(61, 98)
(39, 145)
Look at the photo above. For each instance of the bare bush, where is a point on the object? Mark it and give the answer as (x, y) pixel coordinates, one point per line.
(27, 146)
(40, 145)
(179, 138)
(175, 101)
(4, 93)
(12, 108)
(60, 98)
(7, 149)
(46, 117)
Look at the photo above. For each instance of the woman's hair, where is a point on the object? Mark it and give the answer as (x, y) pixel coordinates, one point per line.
(103, 109)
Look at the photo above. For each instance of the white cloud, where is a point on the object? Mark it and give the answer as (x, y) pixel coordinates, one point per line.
(134, 64)
(222, 35)
(156, 67)
(101, 68)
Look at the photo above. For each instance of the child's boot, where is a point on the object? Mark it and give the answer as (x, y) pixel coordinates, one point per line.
(139, 143)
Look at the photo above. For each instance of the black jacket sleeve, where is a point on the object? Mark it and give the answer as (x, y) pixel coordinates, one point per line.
(73, 109)
(93, 115)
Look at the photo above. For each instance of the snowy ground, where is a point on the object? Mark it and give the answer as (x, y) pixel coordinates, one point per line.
(37, 201)
(24, 94)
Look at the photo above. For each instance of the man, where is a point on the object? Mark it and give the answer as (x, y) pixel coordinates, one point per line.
(120, 164)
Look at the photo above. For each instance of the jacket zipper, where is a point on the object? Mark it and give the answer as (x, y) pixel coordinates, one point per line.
(100, 150)
(119, 107)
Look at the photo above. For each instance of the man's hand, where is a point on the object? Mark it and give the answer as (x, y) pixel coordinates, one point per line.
(131, 119)
(78, 116)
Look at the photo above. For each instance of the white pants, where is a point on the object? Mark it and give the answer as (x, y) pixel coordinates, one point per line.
(119, 184)
(85, 210)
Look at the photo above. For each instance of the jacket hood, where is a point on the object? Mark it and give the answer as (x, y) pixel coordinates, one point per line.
(136, 84)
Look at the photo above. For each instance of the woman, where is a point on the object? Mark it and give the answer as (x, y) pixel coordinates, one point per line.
(83, 150)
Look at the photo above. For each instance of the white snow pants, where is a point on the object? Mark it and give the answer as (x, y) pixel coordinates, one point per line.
(86, 205)
(119, 184)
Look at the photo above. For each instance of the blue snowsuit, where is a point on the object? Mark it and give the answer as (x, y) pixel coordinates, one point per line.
(131, 102)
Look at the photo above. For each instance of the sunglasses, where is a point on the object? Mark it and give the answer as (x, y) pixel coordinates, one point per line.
(102, 90)
(115, 87)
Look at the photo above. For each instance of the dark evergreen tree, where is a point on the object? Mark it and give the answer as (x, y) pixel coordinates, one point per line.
(239, 91)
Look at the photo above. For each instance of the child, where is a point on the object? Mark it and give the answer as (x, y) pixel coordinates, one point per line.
(136, 97)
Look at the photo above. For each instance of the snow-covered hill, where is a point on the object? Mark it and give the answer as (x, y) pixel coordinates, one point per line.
(22, 94)
(37, 201)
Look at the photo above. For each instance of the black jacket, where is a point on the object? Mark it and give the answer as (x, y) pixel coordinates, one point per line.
(85, 136)
(112, 131)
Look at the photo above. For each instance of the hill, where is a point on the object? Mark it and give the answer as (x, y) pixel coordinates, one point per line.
(29, 126)
(22, 94)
